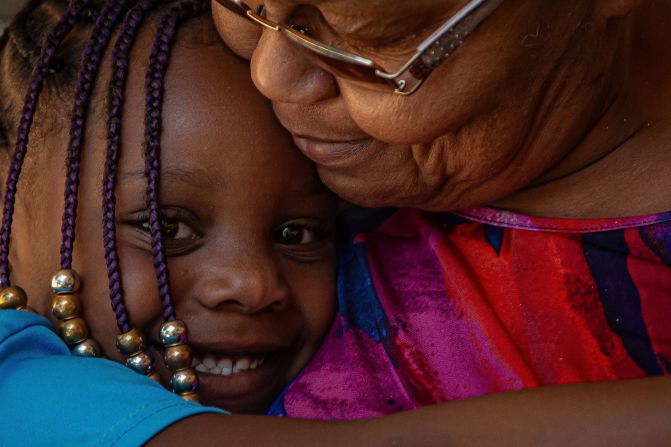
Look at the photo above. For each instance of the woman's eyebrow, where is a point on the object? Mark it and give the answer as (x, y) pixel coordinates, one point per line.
(196, 177)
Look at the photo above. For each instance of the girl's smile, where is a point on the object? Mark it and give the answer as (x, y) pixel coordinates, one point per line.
(248, 227)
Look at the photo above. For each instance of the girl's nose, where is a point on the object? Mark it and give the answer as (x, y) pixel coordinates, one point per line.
(284, 72)
(247, 283)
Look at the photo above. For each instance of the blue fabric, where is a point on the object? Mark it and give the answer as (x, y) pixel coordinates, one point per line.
(48, 397)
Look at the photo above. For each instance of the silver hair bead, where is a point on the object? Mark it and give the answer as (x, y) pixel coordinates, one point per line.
(87, 348)
(173, 333)
(185, 381)
(65, 281)
(141, 363)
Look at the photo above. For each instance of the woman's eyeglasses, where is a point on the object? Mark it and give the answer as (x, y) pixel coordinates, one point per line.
(429, 54)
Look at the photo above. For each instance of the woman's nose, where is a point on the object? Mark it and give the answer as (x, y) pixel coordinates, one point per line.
(245, 284)
(284, 72)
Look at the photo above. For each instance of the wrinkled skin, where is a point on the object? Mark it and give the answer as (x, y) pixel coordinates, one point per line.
(548, 108)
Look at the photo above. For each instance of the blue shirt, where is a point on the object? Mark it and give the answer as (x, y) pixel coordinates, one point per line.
(49, 397)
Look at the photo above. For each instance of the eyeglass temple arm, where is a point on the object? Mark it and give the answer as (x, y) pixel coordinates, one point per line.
(440, 45)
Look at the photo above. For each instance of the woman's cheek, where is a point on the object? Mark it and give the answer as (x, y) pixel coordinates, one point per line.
(240, 35)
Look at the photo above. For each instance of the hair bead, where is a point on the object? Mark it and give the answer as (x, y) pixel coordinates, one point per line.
(13, 298)
(130, 343)
(173, 333)
(185, 381)
(73, 331)
(86, 348)
(65, 307)
(142, 363)
(65, 281)
(178, 357)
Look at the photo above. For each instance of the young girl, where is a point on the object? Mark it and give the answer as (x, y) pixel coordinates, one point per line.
(239, 216)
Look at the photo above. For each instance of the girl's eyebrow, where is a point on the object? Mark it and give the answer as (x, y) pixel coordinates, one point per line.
(194, 176)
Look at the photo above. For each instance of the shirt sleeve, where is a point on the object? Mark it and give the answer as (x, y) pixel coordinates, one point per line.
(49, 397)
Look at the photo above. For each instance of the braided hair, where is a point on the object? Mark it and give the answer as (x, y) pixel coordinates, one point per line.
(53, 50)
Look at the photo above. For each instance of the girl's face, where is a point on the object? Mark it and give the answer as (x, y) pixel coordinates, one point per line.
(248, 228)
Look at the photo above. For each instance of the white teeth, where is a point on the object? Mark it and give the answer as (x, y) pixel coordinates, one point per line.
(225, 363)
(209, 362)
(242, 364)
(225, 366)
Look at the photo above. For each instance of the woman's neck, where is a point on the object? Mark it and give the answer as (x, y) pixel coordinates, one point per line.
(621, 166)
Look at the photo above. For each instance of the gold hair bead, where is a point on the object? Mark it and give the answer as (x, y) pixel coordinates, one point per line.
(178, 357)
(141, 363)
(86, 348)
(173, 333)
(13, 298)
(130, 343)
(65, 281)
(185, 381)
(66, 307)
(73, 331)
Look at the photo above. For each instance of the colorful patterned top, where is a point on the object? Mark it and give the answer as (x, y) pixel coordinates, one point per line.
(438, 307)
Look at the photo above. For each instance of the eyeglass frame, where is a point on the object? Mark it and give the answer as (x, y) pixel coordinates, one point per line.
(432, 52)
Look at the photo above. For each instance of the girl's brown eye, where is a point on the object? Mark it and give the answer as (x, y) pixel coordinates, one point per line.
(172, 229)
(294, 235)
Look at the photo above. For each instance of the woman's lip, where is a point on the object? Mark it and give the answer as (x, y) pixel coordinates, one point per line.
(324, 152)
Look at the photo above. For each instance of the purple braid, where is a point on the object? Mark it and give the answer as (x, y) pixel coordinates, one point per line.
(154, 84)
(120, 56)
(91, 58)
(40, 72)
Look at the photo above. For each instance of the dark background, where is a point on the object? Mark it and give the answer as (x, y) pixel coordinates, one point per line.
(7, 9)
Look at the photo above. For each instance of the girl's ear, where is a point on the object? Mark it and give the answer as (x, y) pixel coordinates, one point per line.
(611, 9)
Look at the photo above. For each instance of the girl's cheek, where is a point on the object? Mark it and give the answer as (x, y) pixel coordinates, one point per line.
(314, 294)
(140, 287)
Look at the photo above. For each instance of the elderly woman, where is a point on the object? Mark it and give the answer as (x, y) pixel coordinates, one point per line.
(555, 117)
(529, 252)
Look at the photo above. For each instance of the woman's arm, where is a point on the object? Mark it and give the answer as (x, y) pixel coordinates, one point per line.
(633, 413)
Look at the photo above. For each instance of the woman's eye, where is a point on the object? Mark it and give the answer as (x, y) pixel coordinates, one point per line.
(294, 235)
(172, 229)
